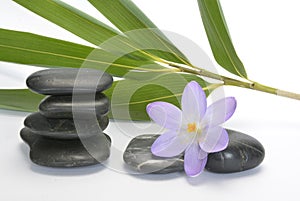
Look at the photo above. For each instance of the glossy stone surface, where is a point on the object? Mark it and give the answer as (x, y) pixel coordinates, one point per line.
(244, 152)
(64, 128)
(139, 157)
(66, 153)
(83, 107)
(61, 81)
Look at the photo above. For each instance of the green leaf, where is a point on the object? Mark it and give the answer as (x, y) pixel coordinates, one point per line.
(129, 98)
(31, 49)
(126, 16)
(85, 26)
(19, 99)
(71, 19)
(219, 38)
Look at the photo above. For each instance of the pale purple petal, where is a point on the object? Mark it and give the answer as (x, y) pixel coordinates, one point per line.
(194, 160)
(165, 115)
(202, 153)
(193, 103)
(220, 111)
(171, 144)
(214, 140)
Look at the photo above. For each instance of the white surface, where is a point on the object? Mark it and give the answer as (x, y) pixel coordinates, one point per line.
(266, 36)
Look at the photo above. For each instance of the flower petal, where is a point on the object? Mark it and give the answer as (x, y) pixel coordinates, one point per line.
(202, 154)
(193, 102)
(165, 115)
(220, 111)
(193, 163)
(171, 144)
(214, 140)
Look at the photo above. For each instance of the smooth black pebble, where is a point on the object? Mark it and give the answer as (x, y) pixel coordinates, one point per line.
(62, 81)
(64, 128)
(139, 157)
(82, 107)
(243, 153)
(66, 153)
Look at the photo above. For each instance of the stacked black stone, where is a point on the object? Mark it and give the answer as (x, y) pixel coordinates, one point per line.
(68, 129)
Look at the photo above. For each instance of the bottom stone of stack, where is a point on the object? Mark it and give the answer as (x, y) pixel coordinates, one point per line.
(53, 152)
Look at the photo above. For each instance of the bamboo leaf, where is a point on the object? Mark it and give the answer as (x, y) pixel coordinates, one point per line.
(80, 24)
(126, 16)
(19, 99)
(71, 19)
(219, 38)
(129, 98)
(31, 49)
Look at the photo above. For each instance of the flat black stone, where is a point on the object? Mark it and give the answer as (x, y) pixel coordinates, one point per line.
(64, 128)
(66, 153)
(139, 157)
(61, 81)
(83, 107)
(243, 153)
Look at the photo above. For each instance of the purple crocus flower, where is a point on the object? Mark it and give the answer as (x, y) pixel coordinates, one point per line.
(194, 130)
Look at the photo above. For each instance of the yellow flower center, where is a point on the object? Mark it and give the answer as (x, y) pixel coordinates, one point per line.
(192, 127)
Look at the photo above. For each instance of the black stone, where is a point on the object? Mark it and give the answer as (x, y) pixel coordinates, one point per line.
(66, 153)
(64, 128)
(61, 81)
(83, 107)
(139, 157)
(244, 152)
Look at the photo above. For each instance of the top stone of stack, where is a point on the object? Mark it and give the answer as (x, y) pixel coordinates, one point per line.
(66, 81)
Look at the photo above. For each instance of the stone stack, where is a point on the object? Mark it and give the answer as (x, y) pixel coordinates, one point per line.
(68, 129)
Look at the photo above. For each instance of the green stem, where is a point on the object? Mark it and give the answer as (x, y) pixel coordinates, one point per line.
(233, 82)
(288, 94)
(259, 87)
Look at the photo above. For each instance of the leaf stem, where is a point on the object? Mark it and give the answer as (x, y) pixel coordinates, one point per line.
(233, 82)
(288, 94)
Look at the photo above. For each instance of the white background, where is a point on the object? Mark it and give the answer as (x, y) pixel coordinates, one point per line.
(266, 35)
